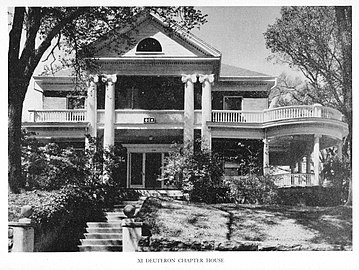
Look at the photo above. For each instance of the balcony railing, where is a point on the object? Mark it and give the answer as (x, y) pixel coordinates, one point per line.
(176, 116)
(294, 180)
(58, 115)
(282, 113)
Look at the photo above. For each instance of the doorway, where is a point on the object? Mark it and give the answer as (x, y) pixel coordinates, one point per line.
(145, 166)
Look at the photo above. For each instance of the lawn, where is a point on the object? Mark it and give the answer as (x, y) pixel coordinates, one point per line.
(311, 228)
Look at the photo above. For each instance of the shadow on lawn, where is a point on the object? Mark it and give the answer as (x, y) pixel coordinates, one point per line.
(330, 225)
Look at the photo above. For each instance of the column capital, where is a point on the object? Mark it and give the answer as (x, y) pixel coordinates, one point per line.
(92, 79)
(206, 77)
(192, 78)
(109, 78)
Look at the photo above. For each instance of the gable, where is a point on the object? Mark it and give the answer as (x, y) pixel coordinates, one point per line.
(173, 44)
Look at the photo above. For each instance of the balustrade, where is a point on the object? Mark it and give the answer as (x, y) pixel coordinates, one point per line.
(172, 116)
(294, 179)
(58, 115)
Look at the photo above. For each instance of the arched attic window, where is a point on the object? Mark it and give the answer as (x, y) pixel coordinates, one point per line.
(149, 45)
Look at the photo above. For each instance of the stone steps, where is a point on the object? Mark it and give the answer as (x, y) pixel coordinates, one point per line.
(103, 235)
(106, 236)
(98, 242)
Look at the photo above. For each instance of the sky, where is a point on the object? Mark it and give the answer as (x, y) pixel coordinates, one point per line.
(237, 32)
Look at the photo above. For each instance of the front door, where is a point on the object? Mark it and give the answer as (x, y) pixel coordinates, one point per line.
(145, 169)
(153, 166)
(137, 171)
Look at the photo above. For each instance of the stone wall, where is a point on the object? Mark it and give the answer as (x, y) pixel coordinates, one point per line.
(154, 244)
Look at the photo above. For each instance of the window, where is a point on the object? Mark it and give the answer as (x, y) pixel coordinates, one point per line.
(232, 103)
(149, 45)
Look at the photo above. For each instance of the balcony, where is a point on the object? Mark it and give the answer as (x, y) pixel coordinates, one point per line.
(176, 117)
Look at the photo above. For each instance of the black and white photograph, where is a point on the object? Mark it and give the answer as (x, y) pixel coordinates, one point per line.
(193, 135)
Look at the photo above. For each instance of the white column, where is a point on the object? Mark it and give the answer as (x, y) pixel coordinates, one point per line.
(92, 106)
(188, 129)
(307, 163)
(300, 166)
(207, 82)
(340, 149)
(109, 132)
(316, 160)
(265, 156)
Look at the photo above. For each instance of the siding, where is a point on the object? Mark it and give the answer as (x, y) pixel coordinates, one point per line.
(54, 103)
(254, 104)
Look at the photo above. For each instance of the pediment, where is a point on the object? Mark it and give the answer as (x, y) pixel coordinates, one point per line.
(174, 45)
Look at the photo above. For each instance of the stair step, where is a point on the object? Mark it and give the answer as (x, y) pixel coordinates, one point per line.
(113, 216)
(104, 230)
(113, 224)
(97, 242)
(100, 248)
(103, 235)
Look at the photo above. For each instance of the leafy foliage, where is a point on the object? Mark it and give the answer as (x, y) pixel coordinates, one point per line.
(253, 189)
(337, 173)
(317, 41)
(197, 172)
(49, 167)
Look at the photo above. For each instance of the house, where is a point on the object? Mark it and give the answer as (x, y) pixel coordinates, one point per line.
(173, 88)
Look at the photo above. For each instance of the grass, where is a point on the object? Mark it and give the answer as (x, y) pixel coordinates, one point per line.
(316, 227)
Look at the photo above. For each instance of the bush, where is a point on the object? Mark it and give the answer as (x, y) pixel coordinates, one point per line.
(197, 172)
(253, 189)
(337, 174)
(49, 167)
(60, 220)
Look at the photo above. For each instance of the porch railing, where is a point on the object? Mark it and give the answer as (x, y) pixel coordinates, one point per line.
(294, 179)
(281, 113)
(58, 115)
(176, 116)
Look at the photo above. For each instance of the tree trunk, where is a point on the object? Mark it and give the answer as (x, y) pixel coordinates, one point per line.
(17, 91)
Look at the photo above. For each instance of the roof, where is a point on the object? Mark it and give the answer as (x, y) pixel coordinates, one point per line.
(232, 71)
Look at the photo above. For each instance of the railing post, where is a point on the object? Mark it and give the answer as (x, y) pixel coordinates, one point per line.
(22, 232)
(317, 110)
(131, 230)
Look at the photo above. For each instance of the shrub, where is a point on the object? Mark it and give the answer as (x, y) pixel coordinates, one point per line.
(253, 189)
(337, 174)
(49, 167)
(60, 220)
(197, 172)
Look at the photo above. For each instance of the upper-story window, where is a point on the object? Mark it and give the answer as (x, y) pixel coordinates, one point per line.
(149, 45)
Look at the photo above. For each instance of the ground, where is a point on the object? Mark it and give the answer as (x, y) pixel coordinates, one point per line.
(322, 228)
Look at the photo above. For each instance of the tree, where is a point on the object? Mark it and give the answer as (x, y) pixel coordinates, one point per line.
(38, 31)
(318, 42)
